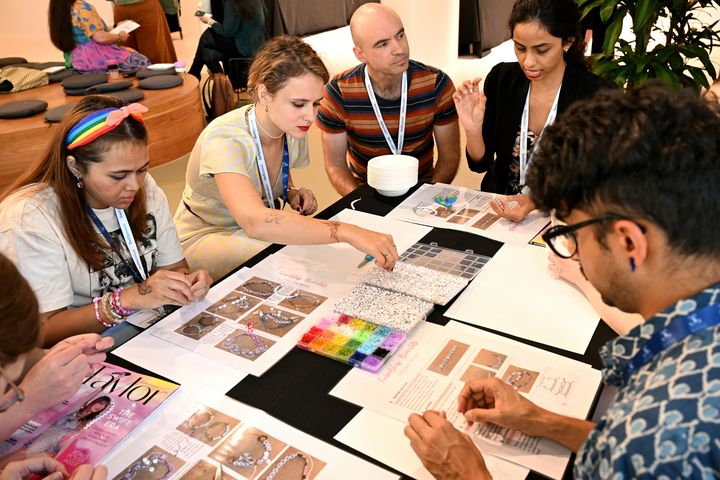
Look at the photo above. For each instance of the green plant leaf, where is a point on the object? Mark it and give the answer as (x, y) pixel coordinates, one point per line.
(589, 5)
(644, 11)
(607, 9)
(666, 75)
(612, 35)
(699, 75)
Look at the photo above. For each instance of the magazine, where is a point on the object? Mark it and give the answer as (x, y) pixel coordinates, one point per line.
(110, 404)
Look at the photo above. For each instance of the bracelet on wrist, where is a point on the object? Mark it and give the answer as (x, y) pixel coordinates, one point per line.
(117, 304)
(96, 301)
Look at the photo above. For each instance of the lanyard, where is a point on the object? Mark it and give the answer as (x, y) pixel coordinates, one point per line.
(262, 166)
(138, 272)
(679, 328)
(524, 130)
(396, 150)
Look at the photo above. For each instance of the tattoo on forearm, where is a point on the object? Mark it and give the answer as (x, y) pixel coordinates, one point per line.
(334, 226)
(273, 217)
(144, 288)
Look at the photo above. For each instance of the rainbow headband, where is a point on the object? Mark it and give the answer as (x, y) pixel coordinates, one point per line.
(100, 122)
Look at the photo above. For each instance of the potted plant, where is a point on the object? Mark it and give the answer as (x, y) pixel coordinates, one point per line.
(680, 54)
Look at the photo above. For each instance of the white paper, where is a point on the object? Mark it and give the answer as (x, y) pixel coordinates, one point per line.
(127, 26)
(515, 294)
(470, 213)
(382, 438)
(431, 367)
(344, 258)
(197, 430)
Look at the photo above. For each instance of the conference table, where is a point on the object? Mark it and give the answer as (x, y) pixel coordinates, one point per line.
(295, 390)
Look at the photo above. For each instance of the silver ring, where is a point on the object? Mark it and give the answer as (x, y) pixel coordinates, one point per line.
(386, 254)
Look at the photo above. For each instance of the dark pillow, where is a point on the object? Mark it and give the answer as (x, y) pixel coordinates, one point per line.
(84, 81)
(160, 82)
(22, 108)
(44, 65)
(4, 62)
(147, 72)
(75, 92)
(55, 114)
(60, 76)
(130, 95)
(111, 86)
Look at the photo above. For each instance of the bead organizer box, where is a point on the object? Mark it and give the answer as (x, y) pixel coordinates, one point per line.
(420, 282)
(353, 341)
(384, 307)
(463, 264)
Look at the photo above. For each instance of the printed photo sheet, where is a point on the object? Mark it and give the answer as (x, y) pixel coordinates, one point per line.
(430, 369)
(470, 211)
(199, 430)
(252, 320)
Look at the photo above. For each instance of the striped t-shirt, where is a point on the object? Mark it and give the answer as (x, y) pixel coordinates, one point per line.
(346, 107)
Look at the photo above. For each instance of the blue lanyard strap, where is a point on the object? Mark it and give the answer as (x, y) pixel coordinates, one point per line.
(285, 170)
(678, 329)
(135, 274)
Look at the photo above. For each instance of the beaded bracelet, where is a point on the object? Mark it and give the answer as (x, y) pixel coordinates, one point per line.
(117, 304)
(114, 317)
(96, 301)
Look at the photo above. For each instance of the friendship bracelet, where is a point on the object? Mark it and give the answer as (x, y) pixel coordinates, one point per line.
(96, 301)
(212, 438)
(273, 319)
(312, 300)
(271, 289)
(231, 344)
(125, 312)
(306, 465)
(111, 314)
(211, 418)
(149, 463)
(245, 459)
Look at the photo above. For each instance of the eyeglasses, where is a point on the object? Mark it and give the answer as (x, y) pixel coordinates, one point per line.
(18, 394)
(562, 239)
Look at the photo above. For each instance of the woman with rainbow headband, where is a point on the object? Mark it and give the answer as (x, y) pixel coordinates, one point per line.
(90, 230)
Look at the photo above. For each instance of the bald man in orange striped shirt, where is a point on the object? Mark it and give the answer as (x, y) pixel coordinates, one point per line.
(387, 104)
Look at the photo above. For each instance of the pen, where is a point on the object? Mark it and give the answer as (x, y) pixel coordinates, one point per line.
(365, 261)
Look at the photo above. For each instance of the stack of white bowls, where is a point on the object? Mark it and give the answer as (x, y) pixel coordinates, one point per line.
(392, 175)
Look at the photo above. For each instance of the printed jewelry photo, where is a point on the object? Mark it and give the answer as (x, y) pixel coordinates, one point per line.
(304, 301)
(286, 462)
(233, 304)
(247, 459)
(259, 288)
(155, 464)
(231, 343)
(273, 319)
(521, 379)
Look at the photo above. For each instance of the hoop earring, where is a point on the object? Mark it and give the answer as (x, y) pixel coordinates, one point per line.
(265, 107)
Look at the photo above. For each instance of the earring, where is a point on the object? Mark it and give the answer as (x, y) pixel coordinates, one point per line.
(632, 264)
(265, 106)
(80, 184)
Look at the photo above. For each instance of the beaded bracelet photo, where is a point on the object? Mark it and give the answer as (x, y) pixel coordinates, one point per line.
(259, 288)
(282, 464)
(273, 319)
(247, 459)
(231, 344)
(233, 304)
(155, 464)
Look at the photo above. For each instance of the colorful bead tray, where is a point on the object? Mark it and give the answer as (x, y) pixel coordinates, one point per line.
(352, 341)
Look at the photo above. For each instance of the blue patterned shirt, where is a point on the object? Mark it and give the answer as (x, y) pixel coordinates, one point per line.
(665, 422)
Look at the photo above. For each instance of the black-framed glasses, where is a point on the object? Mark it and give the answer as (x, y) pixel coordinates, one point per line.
(17, 396)
(562, 239)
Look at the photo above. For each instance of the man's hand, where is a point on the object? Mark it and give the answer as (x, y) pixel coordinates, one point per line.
(446, 452)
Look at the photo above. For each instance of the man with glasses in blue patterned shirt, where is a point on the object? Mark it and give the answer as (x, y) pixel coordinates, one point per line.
(635, 177)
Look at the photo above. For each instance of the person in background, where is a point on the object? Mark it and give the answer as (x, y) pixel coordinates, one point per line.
(239, 35)
(78, 31)
(634, 177)
(153, 38)
(90, 229)
(33, 380)
(504, 122)
(240, 170)
(388, 104)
